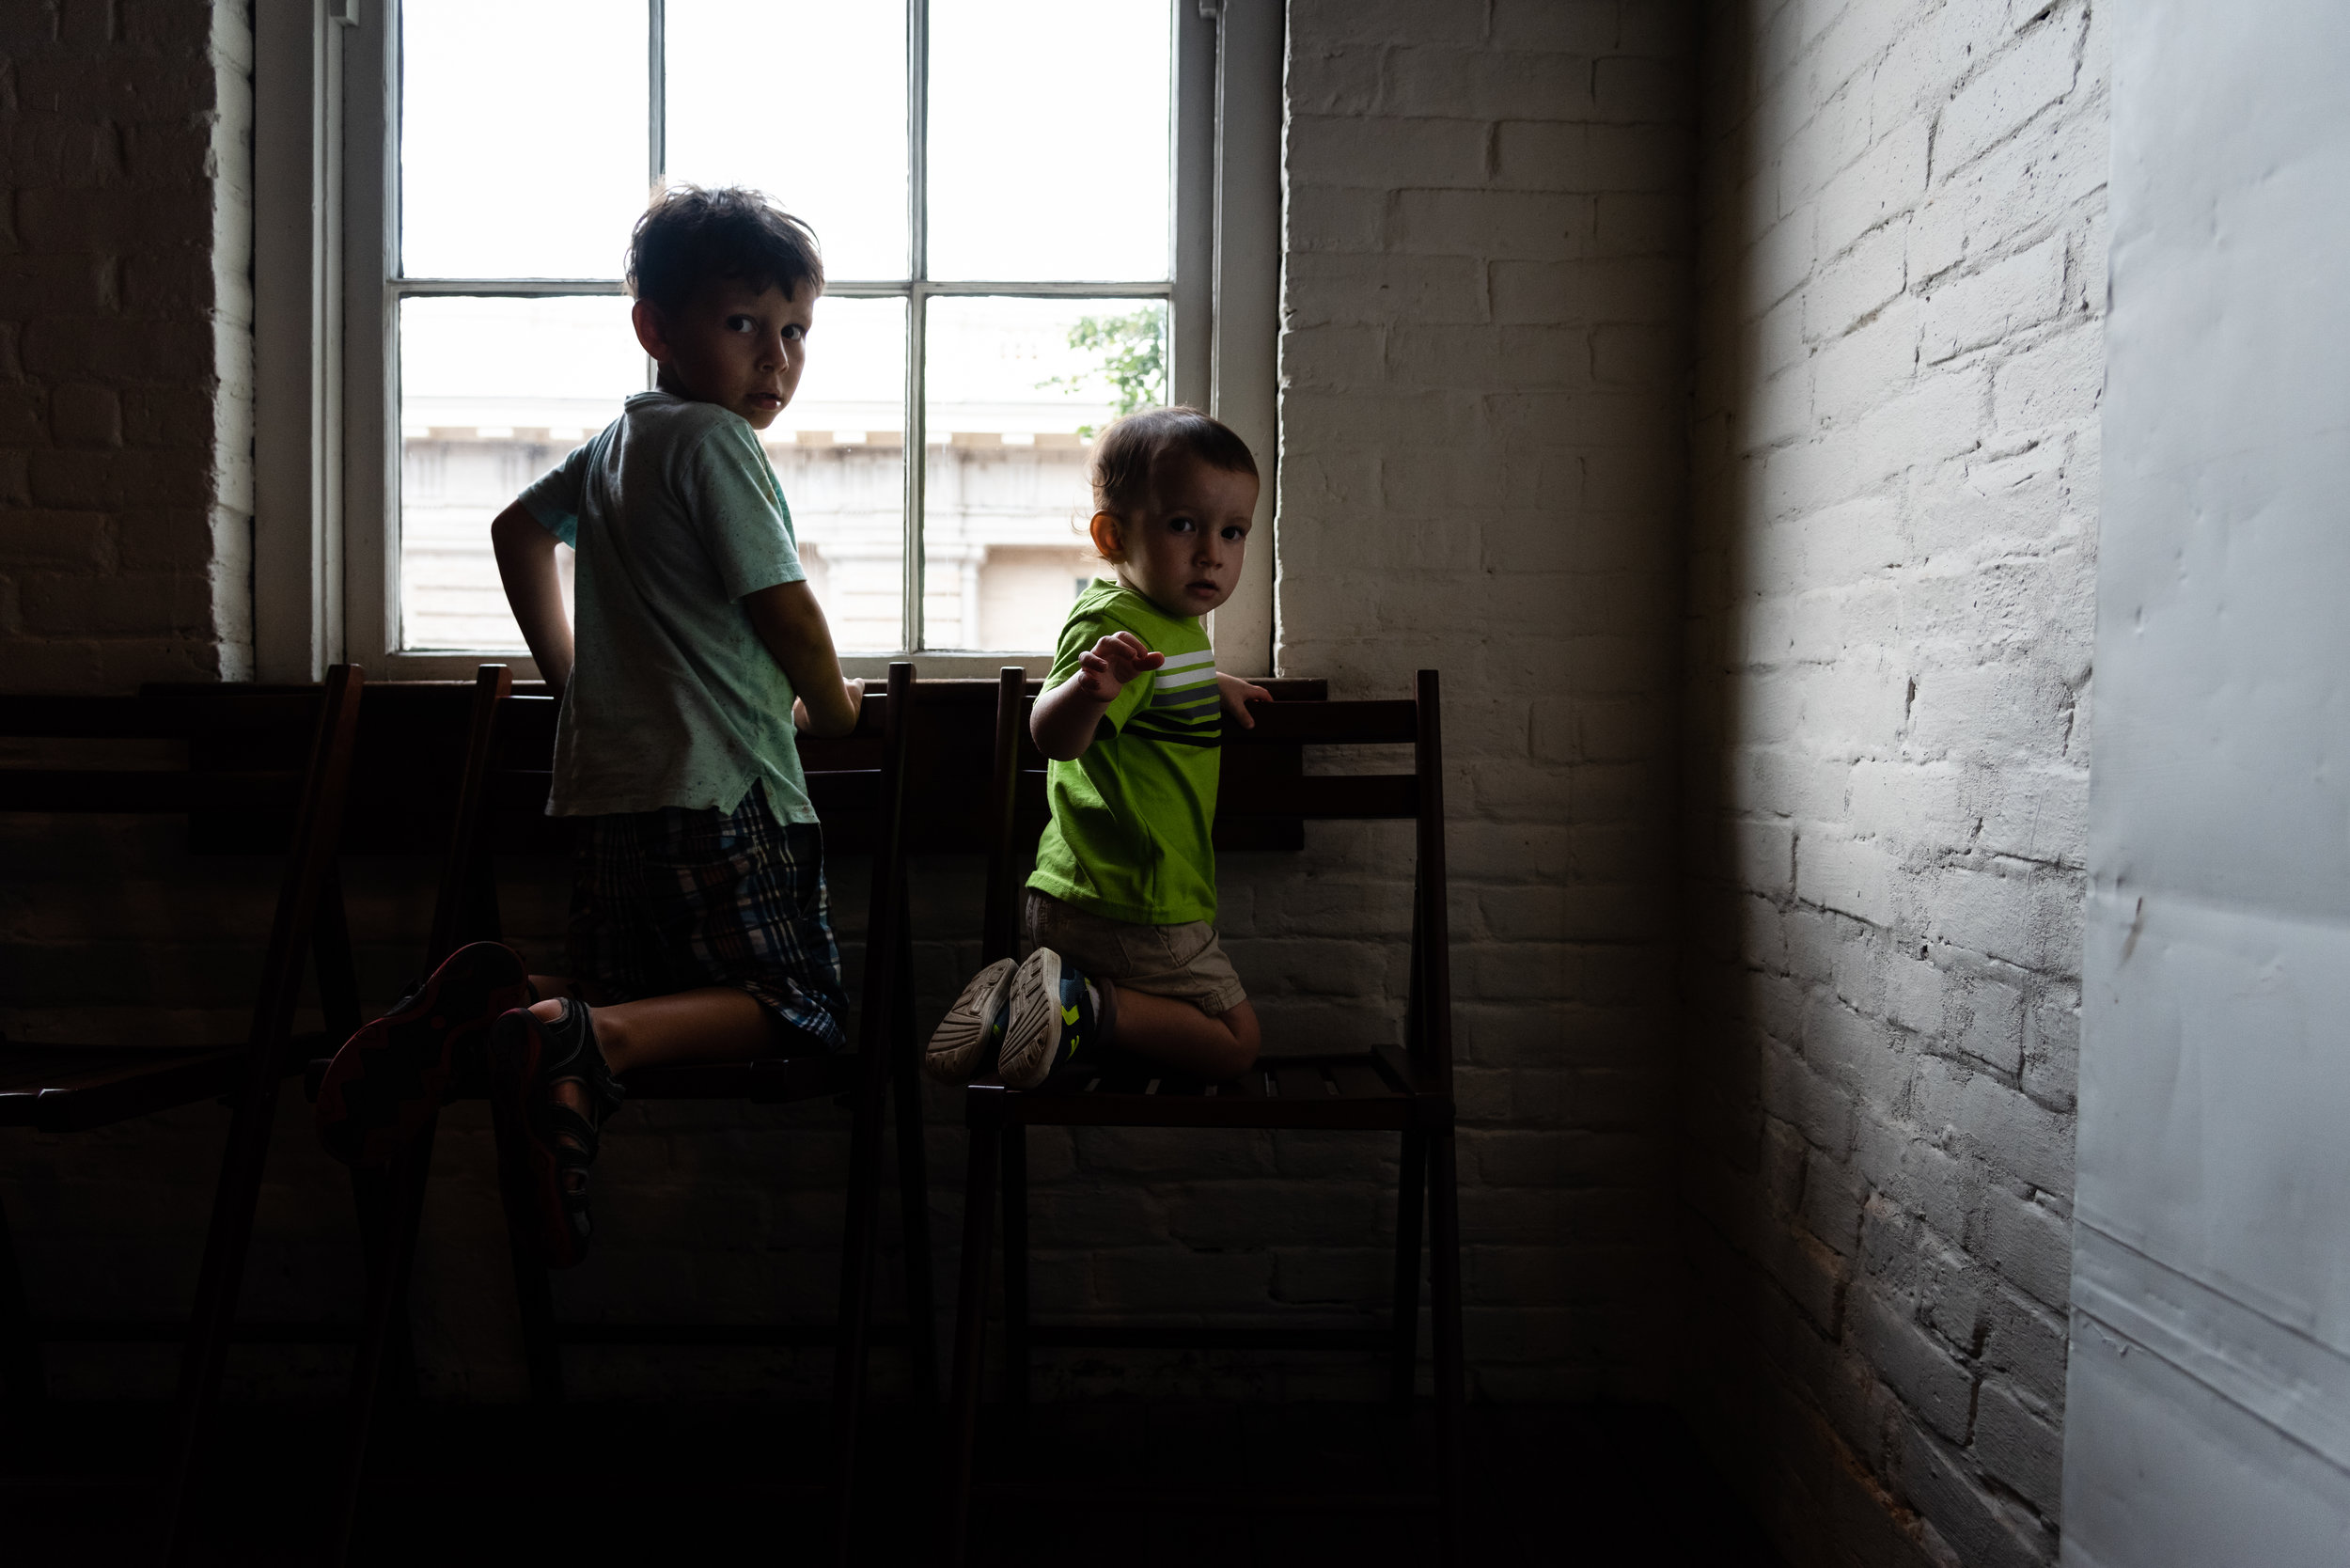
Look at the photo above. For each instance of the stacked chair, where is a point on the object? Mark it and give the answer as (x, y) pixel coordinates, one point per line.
(261, 766)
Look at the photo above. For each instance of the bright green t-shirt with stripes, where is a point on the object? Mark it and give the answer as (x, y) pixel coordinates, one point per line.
(1129, 834)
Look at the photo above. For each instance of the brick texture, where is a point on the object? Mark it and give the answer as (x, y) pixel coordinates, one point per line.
(1894, 468)
(125, 343)
(1484, 353)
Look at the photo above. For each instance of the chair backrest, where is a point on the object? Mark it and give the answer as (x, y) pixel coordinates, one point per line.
(1263, 779)
(281, 753)
(856, 781)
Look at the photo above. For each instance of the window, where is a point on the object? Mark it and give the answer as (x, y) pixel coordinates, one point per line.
(1000, 192)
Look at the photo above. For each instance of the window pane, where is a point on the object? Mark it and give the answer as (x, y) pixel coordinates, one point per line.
(523, 137)
(492, 393)
(830, 145)
(839, 454)
(1015, 390)
(1049, 139)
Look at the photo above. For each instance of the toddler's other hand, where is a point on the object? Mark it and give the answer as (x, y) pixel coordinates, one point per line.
(1238, 694)
(1104, 671)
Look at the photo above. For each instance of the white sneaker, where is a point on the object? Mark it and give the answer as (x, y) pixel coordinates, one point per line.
(1051, 1017)
(969, 1033)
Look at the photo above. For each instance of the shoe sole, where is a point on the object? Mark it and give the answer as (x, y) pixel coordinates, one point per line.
(517, 1045)
(395, 1074)
(953, 1054)
(1032, 1022)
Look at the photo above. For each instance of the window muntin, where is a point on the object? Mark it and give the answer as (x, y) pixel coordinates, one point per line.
(977, 545)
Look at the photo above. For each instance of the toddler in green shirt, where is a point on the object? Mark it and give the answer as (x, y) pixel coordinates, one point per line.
(1120, 912)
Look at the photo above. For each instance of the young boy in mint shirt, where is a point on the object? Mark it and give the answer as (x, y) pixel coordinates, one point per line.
(1121, 909)
(698, 928)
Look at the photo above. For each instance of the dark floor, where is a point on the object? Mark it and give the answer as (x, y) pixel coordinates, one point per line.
(604, 1483)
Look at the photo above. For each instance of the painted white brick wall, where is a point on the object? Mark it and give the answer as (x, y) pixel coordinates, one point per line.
(1894, 460)
(125, 343)
(1482, 370)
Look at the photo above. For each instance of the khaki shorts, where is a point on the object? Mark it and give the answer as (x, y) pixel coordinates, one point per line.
(1184, 961)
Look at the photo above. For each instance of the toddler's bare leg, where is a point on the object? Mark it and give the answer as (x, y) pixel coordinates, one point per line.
(1163, 1028)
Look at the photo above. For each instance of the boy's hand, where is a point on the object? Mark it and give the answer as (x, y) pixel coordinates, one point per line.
(853, 686)
(1238, 694)
(1104, 671)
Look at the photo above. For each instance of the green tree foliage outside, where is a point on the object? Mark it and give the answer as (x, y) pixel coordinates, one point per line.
(1131, 359)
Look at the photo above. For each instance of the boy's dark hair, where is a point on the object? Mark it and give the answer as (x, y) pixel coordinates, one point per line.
(1126, 451)
(690, 236)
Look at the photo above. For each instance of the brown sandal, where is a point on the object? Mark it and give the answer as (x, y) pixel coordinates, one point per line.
(528, 1058)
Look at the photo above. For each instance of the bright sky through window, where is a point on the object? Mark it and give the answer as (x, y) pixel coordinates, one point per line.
(526, 150)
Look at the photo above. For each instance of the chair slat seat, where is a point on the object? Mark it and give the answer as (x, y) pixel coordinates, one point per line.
(69, 1087)
(58, 1072)
(220, 709)
(1356, 1091)
(161, 790)
(776, 1080)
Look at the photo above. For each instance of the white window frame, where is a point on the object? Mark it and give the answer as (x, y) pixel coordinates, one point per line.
(327, 449)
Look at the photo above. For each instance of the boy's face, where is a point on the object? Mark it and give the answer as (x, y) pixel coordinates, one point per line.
(739, 348)
(1183, 550)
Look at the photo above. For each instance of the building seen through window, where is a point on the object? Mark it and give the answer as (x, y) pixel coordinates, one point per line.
(1037, 297)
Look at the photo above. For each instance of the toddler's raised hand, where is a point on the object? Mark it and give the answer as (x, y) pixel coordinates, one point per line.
(1103, 669)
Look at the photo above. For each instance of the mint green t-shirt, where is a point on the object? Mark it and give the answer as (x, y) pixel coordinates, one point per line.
(1131, 817)
(674, 700)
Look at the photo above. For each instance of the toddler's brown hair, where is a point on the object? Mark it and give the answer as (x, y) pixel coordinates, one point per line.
(1128, 450)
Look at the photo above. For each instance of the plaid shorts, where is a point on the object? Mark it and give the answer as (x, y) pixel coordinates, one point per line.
(679, 897)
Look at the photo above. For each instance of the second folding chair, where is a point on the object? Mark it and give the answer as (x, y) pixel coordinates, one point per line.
(858, 781)
(1362, 1087)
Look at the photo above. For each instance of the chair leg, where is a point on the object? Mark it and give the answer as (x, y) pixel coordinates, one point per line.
(857, 1307)
(1016, 1266)
(914, 1198)
(960, 1433)
(330, 951)
(398, 1199)
(1443, 1217)
(534, 1296)
(227, 1241)
(22, 1378)
(1410, 1194)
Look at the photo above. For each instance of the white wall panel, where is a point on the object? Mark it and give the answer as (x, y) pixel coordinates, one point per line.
(2210, 1371)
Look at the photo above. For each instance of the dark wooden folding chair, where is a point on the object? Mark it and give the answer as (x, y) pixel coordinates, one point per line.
(259, 760)
(858, 785)
(1376, 1088)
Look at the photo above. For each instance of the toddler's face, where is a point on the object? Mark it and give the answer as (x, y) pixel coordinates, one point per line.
(739, 348)
(1184, 553)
